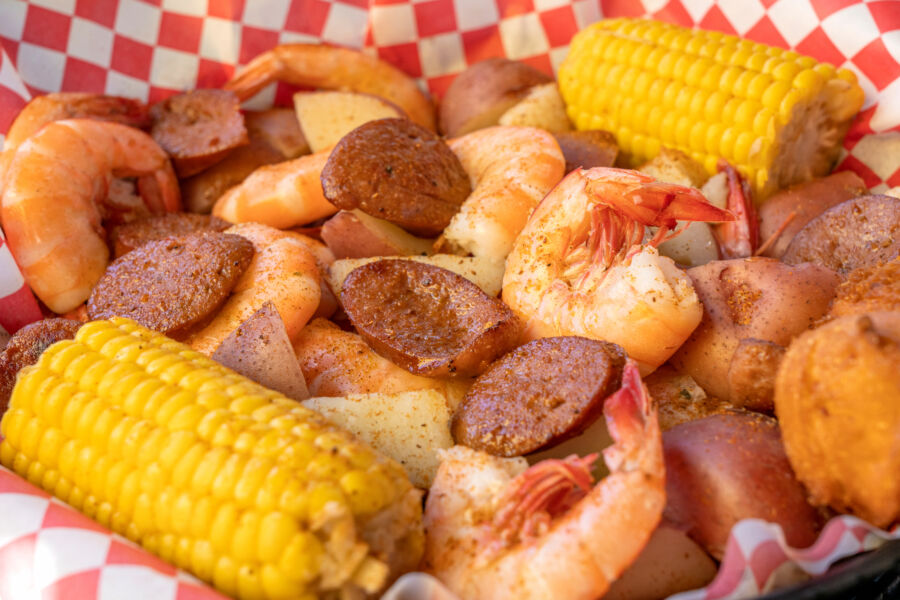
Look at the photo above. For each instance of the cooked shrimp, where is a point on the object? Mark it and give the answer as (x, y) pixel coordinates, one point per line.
(511, 169)
(332, 68)
(738, 238)
(68, 105)
(340, 363)
(60, 189)
(282, 195)
(494, 529)
(323, 256)
(578, 268)
(283, 271)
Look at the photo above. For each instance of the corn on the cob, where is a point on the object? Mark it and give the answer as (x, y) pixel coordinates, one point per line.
(212, 472)
(779, 117)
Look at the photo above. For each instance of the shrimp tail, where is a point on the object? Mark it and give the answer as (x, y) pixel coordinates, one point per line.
(739, 238)
(257, 74)
(650, 202)
(532, 499)
(628, 414)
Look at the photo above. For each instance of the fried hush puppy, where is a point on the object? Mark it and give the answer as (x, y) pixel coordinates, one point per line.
(837, 398)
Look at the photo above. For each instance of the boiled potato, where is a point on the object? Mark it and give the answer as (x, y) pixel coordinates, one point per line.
(325, 116)
(354, 234)
(671, 562)
(542, 107)
(483, 92)
(407, 426)
(759, 298)
(729, 467)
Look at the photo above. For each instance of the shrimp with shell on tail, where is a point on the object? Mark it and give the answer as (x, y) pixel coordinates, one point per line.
(64, 186)
(496, 529)
(581, 267)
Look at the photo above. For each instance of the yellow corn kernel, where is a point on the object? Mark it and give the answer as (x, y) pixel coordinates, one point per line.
(302, 558)
(245, 538)
(756, 94)
(205, 468)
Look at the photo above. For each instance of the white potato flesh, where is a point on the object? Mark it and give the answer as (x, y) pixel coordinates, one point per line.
(542, 107)
(693, 247)
(409, 427)
(326, 117)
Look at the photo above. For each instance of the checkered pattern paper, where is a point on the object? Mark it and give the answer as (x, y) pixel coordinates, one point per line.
(50, 551)
(758, 559)
(149, 49)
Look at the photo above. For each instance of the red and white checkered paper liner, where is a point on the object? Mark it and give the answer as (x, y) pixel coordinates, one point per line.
(50, 551)
(151, 49)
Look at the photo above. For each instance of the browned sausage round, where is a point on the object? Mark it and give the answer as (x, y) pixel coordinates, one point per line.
(171, 284)
(860, 232)
(274, 135)
(198, 128)
(791, 209)
(396, 170)
(26, 346)
(426, 319)
(538, 395)
(129, 236)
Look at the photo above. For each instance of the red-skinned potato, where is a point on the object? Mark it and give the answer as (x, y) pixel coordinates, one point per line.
(805, 201)
(671, 562)
(759, 298)
(260, 349)
(729, 467)
(483, 92)
(354, 234)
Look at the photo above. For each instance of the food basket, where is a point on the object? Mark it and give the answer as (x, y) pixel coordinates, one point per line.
(150, 49)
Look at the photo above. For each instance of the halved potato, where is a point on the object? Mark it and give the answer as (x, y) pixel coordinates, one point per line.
(407, 426)
(542, 107)
(354, 234)
(483, 92)
(326, 117)
(260, 349)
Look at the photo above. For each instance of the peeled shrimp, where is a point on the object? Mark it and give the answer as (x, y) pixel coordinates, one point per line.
(494, 529)
(60, 188)
(282, 195)
(333, 68)
(511, 169)
(578, 267)
(67, 105)
(283, 271)
(340, 363)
